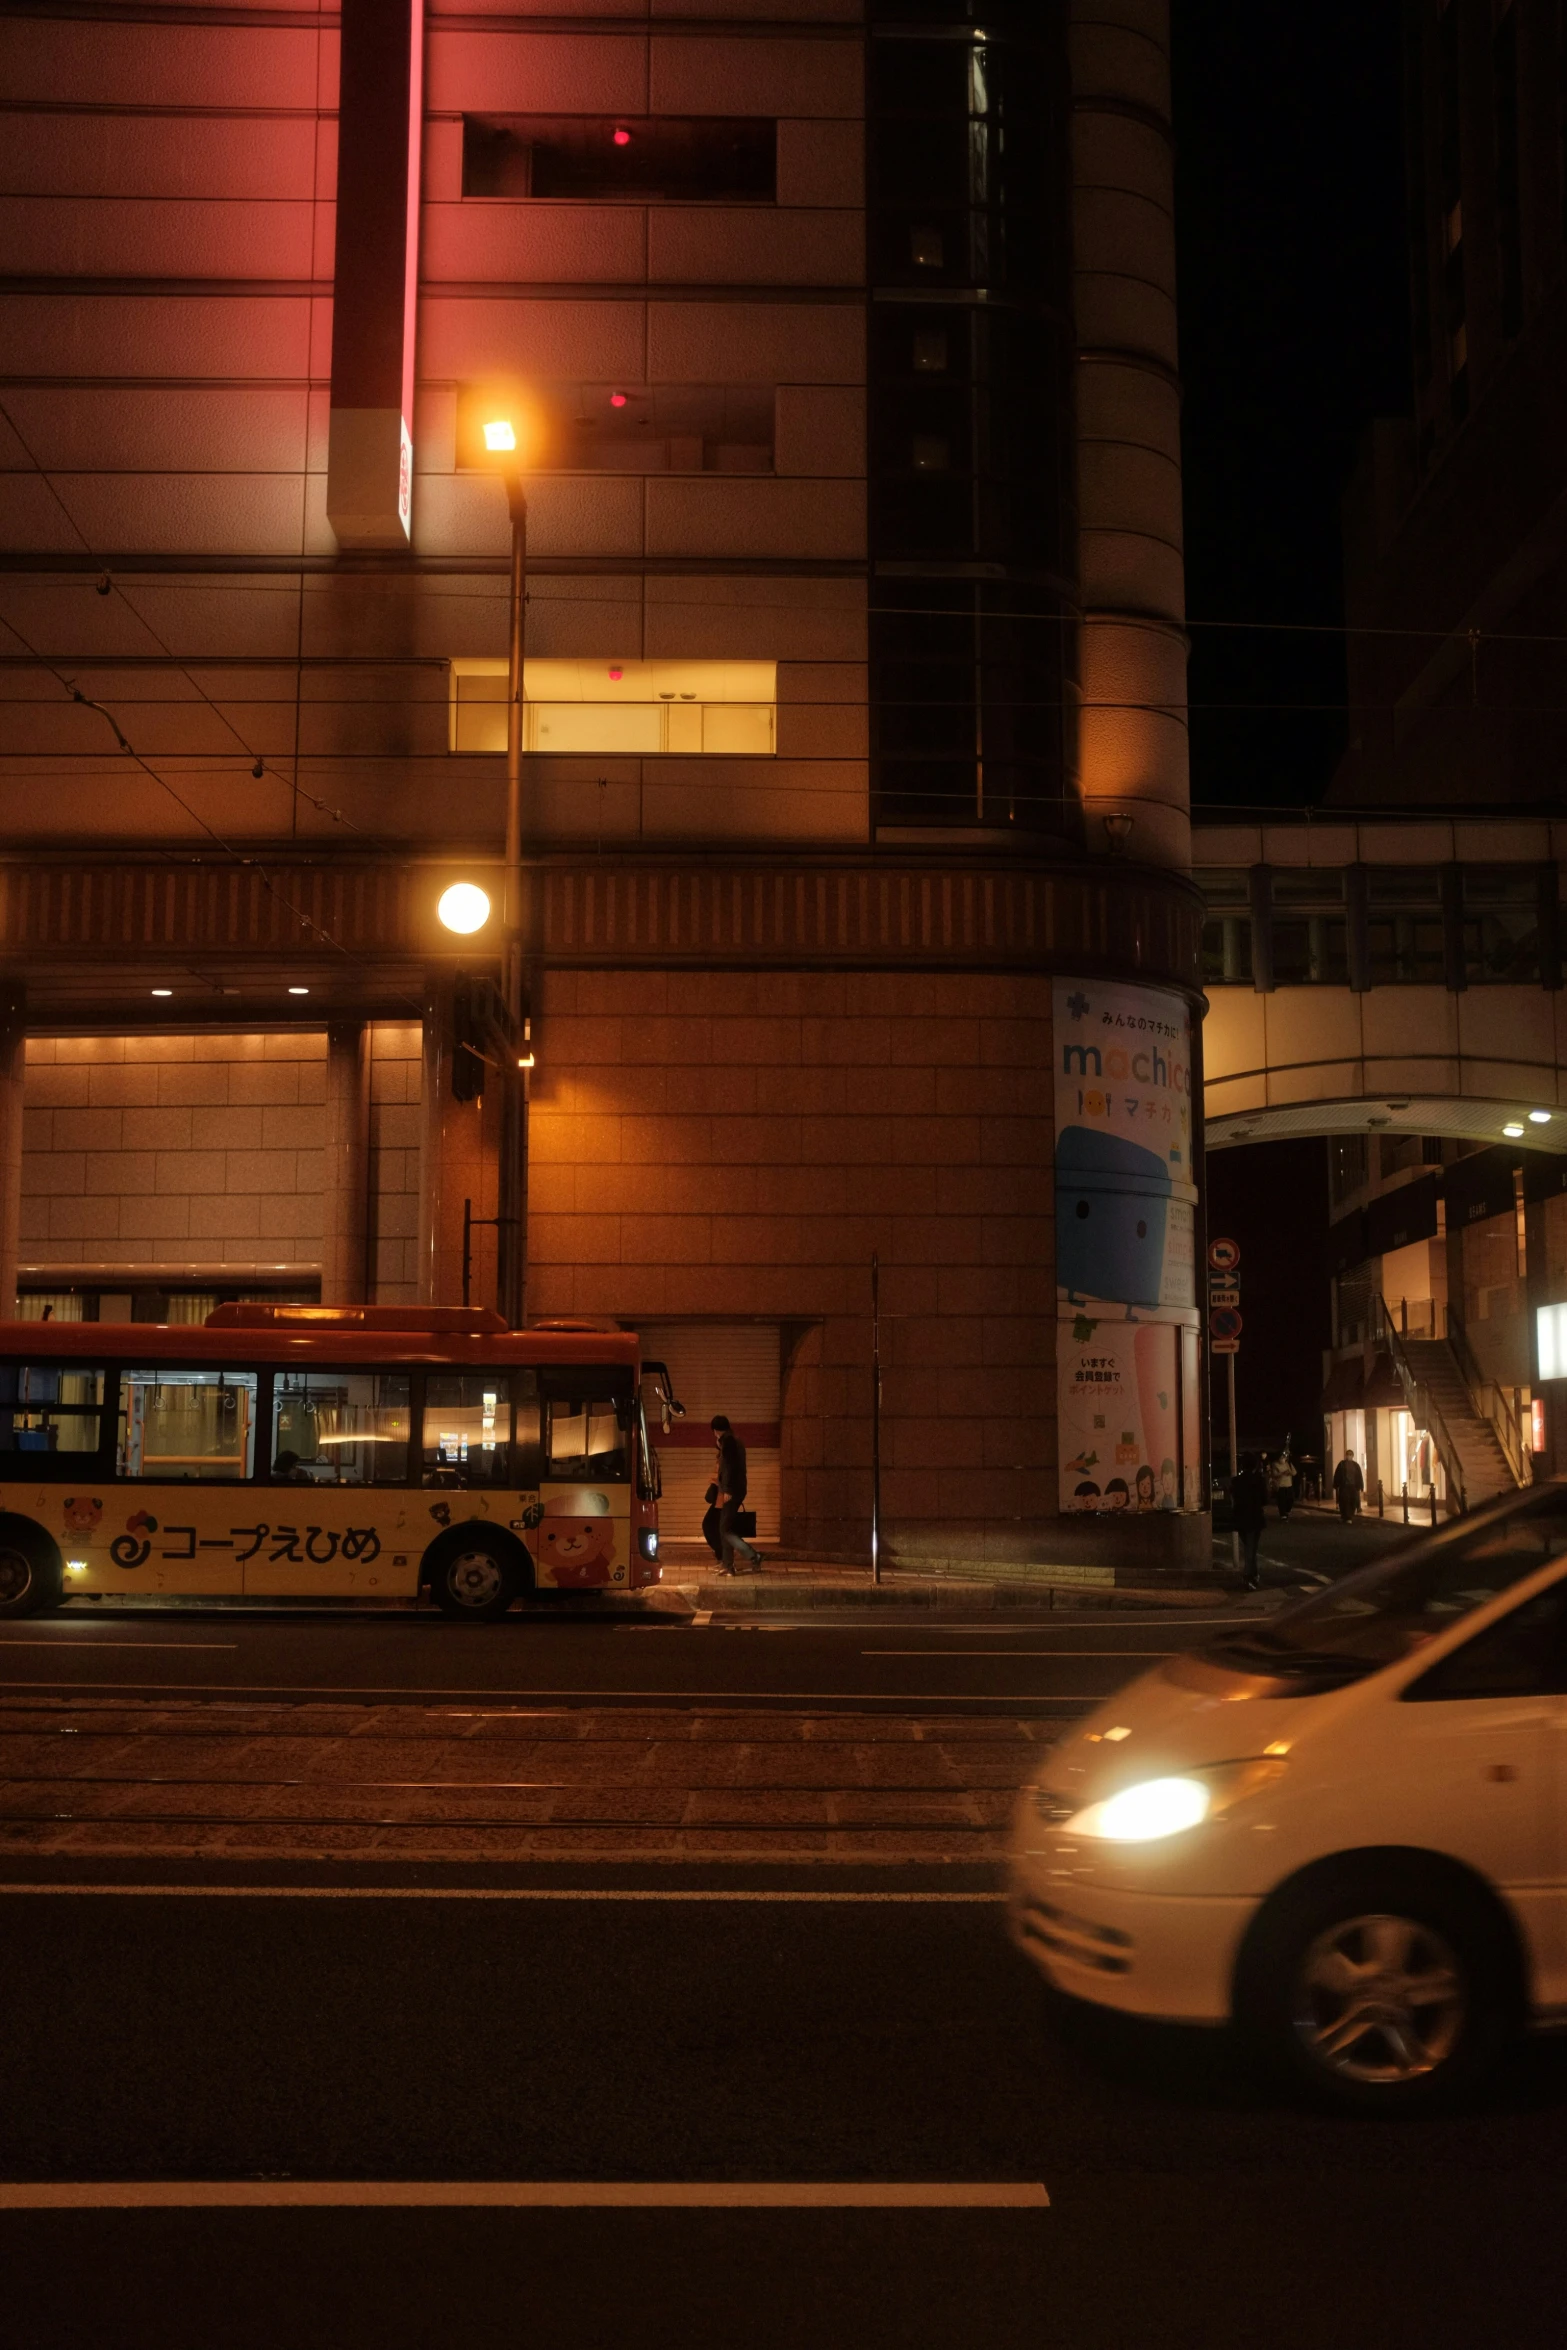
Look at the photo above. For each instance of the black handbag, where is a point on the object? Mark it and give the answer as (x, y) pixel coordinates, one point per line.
(745, 1524)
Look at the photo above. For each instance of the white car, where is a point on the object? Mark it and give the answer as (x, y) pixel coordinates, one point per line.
(1343, 1828)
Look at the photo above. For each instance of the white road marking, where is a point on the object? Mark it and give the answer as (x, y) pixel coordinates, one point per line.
(69, 1640)
(482, 1893)
(704, 1615)
(1061, 1655)
(653, 1697)
(525, 2194)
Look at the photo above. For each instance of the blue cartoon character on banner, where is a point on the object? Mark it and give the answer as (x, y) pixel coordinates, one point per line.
(1112, 1207)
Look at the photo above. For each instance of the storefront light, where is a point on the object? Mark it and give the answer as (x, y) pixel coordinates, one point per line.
(1550, 1324)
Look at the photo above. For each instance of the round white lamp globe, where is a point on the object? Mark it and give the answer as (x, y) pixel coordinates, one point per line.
(464, 907)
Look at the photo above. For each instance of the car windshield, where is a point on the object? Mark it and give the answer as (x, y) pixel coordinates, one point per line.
(1384, 1612)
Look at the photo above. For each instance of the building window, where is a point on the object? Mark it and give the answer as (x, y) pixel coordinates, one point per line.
(627, 427)
(1348, 1167)
(621, 159)
(636, 709)
(1310, 930)
(931, 350)
(1404, 920)
(1501, 925)
(1226, 934)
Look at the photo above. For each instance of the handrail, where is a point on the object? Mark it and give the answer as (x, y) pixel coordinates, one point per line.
(1422, 1405)
(1506, 1419)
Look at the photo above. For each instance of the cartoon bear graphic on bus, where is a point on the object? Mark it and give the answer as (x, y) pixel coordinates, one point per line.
(82, 1516)
(574, 1541)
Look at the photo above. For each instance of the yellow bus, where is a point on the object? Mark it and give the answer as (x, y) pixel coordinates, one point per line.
(310, 1452)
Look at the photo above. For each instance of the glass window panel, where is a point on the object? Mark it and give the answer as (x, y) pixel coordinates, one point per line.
(1501, 925)
(587, 1434)
(1405, 926)
(467, 1428)
(187, 1426)
(340, 1427)
(50, 1408)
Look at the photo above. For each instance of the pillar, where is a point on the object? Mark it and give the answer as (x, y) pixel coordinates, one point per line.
(13, 1071)
(1132, 646)
(345, 1187)
(458, 1162)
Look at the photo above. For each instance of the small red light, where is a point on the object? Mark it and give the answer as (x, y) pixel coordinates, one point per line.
(617, 399)
(617, 674)
(622, 138)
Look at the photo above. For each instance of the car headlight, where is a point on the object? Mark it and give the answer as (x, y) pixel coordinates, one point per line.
(1168, 1807)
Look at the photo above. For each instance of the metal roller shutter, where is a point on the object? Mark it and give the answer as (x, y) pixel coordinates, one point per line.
(732, 1367)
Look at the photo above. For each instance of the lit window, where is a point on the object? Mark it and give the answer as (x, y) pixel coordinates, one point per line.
(636, 709)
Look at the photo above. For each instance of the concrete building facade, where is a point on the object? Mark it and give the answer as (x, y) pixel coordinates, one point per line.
(859, 914)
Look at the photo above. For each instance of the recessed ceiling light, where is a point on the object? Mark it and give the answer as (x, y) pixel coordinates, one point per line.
(1539, 1117)
(1512, 1130)
(163, 991)
(299, 991)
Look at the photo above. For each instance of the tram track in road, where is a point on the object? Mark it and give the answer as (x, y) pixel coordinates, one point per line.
(87, 1777)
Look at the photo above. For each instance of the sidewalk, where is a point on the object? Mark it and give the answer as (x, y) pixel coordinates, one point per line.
(791, 1585)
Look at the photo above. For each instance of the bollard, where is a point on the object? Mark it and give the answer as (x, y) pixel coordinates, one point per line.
(1432, 1490)
(1405, 1499)
(1381, 1507)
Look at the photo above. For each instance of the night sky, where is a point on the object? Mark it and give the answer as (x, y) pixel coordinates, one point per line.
(1292, 249)
(1293, 258)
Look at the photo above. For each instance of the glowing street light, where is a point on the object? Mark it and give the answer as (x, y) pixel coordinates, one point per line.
(500, 435)
(464, 908)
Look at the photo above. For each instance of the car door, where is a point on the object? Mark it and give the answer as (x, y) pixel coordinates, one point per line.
(1484, 1739)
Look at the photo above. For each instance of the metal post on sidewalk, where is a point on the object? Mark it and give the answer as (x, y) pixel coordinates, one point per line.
(875, 1417)
(1381, 1508)
(1235, 1463)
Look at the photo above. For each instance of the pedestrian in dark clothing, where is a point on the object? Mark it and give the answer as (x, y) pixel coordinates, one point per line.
(1248, 1501)
(1348, 1486)
(710, 1533)
(730, 1479)
(1284, 1481)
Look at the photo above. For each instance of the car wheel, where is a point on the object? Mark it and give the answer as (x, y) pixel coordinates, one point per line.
(25, 1587)
(474, 1581)
(1378, 1990)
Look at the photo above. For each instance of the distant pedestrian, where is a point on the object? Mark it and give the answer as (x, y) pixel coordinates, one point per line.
(1348, 1485)
(1284, 1481)
(1248, 1501)
(729, 1476)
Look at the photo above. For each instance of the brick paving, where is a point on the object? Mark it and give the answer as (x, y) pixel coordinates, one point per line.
(183, 1779)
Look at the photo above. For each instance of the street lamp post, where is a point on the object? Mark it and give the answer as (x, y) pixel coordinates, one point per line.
(511, 1234)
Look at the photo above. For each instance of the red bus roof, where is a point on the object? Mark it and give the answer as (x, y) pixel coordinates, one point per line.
(335, 1341)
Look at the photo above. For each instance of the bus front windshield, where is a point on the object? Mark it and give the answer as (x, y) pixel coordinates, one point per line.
(1384, 1612)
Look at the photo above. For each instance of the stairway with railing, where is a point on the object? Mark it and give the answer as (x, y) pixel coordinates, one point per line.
(1438, 1397)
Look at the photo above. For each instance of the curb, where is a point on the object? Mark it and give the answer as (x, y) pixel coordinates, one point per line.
(752, 1595)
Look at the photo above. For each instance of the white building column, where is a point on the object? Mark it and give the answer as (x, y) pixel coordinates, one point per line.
(345, 1185)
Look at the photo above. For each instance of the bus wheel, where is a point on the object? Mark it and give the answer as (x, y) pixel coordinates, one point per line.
(25, 1587)
(474, 1580)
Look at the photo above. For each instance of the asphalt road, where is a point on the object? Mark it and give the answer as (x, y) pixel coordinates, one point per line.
(851, 2029)
(705, 2040)
(874, 1659)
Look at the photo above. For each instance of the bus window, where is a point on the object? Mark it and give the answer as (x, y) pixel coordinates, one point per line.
(467, 1428)
(340, 1428)
(588, 1418)
(186, 1425)
(49, 1408)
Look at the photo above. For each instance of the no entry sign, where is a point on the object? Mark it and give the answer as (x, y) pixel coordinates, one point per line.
(1224, 1256)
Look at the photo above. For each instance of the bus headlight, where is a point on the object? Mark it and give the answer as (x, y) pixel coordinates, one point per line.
(647, 1542)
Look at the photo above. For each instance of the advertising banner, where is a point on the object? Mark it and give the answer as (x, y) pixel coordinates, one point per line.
(1119, 1415)
(1124, 1186)
(1126, 1278)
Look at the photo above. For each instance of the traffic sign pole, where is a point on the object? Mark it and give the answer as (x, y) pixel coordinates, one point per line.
(1234, 1455)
